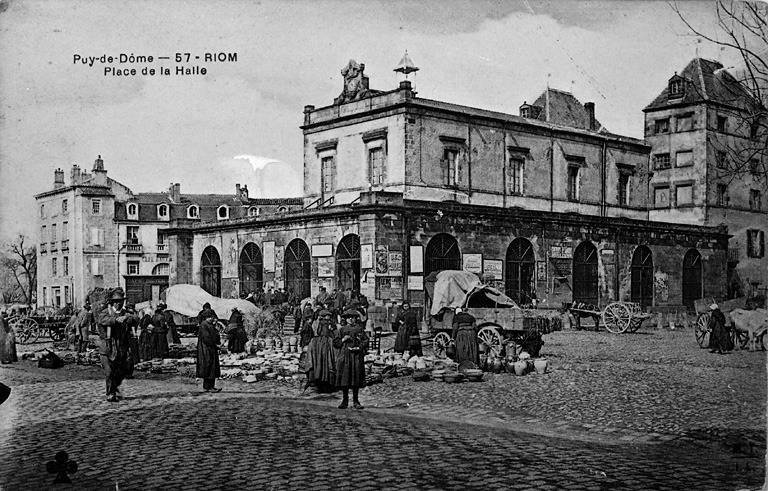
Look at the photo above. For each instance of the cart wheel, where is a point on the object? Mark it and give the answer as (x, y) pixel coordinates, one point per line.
(57, 334)
(617, 317)
(492, 339)
(27, 330)
(740, 339)
(440, 343)
(701, 330)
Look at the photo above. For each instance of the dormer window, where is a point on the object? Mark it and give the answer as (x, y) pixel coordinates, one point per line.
(193, 211)
(253, 211)
(676, 87)
(223, 212)
(282, 209)
(162, 212)
(133, 211)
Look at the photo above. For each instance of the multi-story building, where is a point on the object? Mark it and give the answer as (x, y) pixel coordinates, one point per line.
(397, 187)
(95, 232)
(706, 158)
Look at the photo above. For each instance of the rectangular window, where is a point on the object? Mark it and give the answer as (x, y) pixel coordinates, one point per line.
(54, 267)
(722, 123)
(54, 238)
(721, 159)
(132, 235)
(684, 122)
(623, 189)
(96, 206)
(97, 237)
(161, 237)
(42, 211)
(684, 158)
(684, 195)
(96, 266)
(43, 234)
(754, 166)
(65, 231)
(64, 206)
(755, 243)
(376, 166)
(450, 167)
(133, 267)
(66, 295)
(56, 297)
(328, 168)
(573, 183)
(661, 126)
(661, 197)
(676, 88)
(516, 166)
(45, 296)
(722, 195)
(65, 265)
(661, 161)
(755, 200)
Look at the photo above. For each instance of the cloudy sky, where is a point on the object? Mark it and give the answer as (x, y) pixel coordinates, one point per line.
(240, 122)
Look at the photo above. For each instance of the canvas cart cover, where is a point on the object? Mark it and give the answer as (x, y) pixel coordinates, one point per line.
(451, 289)
(189, 299)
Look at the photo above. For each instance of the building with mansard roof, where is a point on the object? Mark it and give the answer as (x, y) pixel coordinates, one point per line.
(396, 187)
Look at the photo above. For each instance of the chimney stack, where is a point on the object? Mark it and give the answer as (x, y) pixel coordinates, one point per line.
(98, 164)
(58, 179)
(590, 108)
(174, 192)
(244, 193)
(75, 175)
(237, 190)
(307, 112)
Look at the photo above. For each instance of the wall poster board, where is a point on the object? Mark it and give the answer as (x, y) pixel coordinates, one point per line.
(326, 267)
(416, 256)
(415, 282)
(366, 256)
(472, 263)
(269, 256)
(493, 269)
(395, 263)
(322, 250)
(382, 260)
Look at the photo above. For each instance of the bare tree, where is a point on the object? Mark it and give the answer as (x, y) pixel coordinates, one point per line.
(21, 262)
(742, 88)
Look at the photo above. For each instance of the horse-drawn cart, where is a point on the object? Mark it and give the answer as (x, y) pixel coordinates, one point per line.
(617, 317)
(30, 327)
(703, 315)
(502, 324)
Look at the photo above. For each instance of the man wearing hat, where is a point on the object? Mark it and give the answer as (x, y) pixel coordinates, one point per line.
(352, 343)
(113, 325)
(208, 344)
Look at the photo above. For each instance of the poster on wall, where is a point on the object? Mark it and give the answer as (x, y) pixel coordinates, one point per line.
(366, 256)
(541, 271)
(279, 262)
(416, 257)
(472, 263)
(382, 260)
(415, 282)
(269, 256)
(561, 251)
(326, 267)
(395, 263)
(322, 250)
(493, 269)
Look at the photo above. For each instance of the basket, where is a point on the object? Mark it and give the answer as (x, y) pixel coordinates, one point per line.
(466, 365)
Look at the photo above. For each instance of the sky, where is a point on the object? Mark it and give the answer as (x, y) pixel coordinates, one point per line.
(240, 122)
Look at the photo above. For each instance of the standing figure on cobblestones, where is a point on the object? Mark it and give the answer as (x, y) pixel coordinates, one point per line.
(145, 339)
(321, 355)
(133, 340)
(84, 324)
(236, 334)
(408, 338)
(465, 335)
(306, 333)
(208, 344)
(7, 341)
(173, 333)
(352, 342)
(113, 343)
(719, 338)
(158, 341)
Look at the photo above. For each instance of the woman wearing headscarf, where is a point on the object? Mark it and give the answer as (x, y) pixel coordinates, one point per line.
(719, 338)
(352, 343)
(208, 344)
(145, 340)
(407, 323)
(236, 332)
(465, 335)
(321, 355)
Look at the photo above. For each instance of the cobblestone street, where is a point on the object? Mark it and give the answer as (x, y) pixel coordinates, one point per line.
(635, 411)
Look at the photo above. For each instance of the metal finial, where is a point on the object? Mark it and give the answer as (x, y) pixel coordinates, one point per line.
(406, 66)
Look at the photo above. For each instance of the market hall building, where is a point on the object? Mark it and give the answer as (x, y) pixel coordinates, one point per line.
(396, 187)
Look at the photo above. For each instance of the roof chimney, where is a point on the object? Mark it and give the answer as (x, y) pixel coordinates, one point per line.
(58, 179)
(244, 193)
(174, 192)
(98, 164)
(74, 176)
(590, 108)
(237, 190)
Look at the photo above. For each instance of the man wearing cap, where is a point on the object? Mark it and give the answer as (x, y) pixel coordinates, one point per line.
(114, 342)
(208, 344)
(352, 343)
(719, 337)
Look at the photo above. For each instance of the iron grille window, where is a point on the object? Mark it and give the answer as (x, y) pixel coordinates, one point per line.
(661, 161)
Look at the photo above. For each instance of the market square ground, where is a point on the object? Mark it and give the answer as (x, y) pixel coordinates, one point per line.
(649, 410)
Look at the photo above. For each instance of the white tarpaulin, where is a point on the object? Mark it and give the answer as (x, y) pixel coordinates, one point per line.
(453, 288)
(189, 299)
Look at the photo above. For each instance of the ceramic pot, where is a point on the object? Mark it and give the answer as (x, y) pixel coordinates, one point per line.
(483, 360)
(521, 367)
(497, 364)
(540, 365)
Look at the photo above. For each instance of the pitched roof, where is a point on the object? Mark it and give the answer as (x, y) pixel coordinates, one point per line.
(705, 80)
(560, 107)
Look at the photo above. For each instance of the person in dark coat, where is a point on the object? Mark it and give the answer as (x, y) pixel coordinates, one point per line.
(352, 343)
(719, 337)
(134, 354)
(7, 341)
(236, 334)
(208, 344)
(158, 340)
(206, 306)
(172, 334)
(465, 335)
(83, 325)
(145, 340)
(321, 356)
(306, 332)
(408, 322)
(113, 343)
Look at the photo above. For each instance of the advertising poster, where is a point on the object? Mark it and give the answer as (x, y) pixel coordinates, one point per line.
(366, 256)
(415, 282)
(395, 263)
(417, 259)
(279, 262)
(473, 263)
(322, 250)
(493, 269)
(269, 256)
(382, 260)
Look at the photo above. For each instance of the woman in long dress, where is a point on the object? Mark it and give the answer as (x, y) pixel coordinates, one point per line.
(352, 342)
(719, 338)
(321, 355)
(158, 341)
(236, 333)
(208, 343)
(407, 322)
(465, 335)
(7, 342)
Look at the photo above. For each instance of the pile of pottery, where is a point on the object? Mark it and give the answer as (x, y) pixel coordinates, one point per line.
(267, 364)
(521, 364)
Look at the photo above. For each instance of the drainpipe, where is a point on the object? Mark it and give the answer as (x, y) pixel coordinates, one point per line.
(504, 171)
(469, 164)
(551, 170)
(603, 172)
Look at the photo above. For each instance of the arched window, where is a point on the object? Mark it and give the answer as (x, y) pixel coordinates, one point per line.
(211, 271)
(223, 212)
(642, 277)
(133, 210)
(442, 253)
(253, 211)
(692, 273)
(348, 263)
(585, 288)
(162, 211)
(298, 268)
(251, 268)
(162, 269)
(193, 211)
(282, 209)
(520, 266)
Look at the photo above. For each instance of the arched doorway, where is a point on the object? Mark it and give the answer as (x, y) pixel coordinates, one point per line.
(348, 263)
(585, 285)
(297, 268)
(520, 268)
(211, 268)
(692, 286)
(442, 253)
(642, 277)
(251, 269)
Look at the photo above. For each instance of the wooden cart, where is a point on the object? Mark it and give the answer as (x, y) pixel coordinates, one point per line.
(617, 317)
(29, 328)
(703, 314)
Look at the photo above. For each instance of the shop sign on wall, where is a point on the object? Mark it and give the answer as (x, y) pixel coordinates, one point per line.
(382, 260)
(417, 259)
(415, 282)
(493, 269)
(395, 263)
(269, 256)
(326, 267)
(366, 256)
(473, 263)
(561, 251)
(322, 250)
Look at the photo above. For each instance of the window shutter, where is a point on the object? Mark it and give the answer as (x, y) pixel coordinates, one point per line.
(444, 168)
(460, 170)
(383, 166)
(95, 266)
(750, 248)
